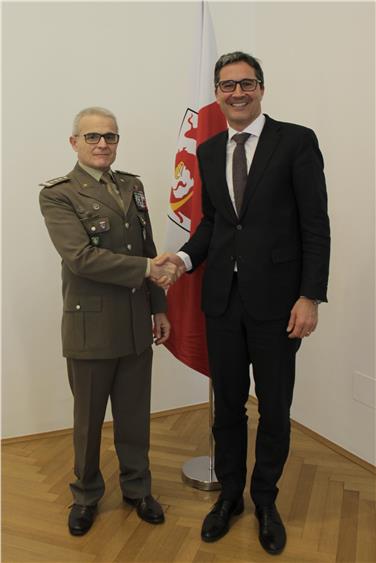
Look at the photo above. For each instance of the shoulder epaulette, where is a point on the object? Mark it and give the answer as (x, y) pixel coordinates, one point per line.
(127, 173)
(55, 181)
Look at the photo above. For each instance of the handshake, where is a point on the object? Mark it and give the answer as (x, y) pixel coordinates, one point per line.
(166, 269)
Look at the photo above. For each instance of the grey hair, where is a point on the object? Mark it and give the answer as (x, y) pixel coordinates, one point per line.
(94, 110)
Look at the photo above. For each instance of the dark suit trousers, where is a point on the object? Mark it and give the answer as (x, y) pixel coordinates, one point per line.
(127, 381)
(235, 341)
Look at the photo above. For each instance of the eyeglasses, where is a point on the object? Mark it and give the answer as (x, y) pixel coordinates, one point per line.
(247, 85)
(94, 138)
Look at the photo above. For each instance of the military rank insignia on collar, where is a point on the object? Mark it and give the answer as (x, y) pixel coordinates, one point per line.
(140, 200)
(127, 173)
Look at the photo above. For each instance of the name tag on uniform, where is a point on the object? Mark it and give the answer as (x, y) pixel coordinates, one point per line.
(140, 200)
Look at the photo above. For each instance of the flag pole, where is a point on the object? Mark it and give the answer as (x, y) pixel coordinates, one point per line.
(202, 119)
(199, 471)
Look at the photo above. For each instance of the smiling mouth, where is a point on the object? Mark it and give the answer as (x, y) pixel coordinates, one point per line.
(239, 104)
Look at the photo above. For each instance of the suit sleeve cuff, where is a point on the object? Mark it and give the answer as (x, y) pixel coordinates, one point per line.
(147, 272)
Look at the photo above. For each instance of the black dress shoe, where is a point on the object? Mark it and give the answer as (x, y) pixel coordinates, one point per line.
(217, 522)
(272, 534)
(81, 519)
(148, 509)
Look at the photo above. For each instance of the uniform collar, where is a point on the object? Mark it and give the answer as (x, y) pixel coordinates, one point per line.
(96, 174)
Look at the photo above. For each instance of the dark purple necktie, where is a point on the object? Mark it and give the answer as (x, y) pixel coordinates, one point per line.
(239, 169)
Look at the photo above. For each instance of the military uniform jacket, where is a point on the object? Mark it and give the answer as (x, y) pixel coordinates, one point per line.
(107, 302)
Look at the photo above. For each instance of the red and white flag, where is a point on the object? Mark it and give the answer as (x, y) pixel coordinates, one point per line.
(202, 119)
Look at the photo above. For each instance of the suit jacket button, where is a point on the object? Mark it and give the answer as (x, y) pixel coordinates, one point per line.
(133, 290)
(126, 225)
(78, 307)
(239, 227)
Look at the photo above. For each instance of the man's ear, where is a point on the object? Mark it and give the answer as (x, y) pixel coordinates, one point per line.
(73, 142)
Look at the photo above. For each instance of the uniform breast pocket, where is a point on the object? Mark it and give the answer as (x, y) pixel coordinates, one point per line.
(97, 228)
(84, 326)
(96, 225)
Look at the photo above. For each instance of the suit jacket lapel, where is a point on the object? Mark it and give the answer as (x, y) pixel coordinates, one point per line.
(268, 141)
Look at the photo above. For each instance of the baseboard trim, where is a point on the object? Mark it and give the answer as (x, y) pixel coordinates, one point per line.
(179, 410)
(331, 445)
(63, 431)
(335, 447)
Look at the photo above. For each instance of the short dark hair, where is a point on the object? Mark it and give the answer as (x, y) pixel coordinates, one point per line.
(236, 57)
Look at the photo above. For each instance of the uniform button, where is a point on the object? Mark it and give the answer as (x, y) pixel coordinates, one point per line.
(129, 246)
(122, 180)
(93, 228)
(78, 307)
(133, 290)
(239, 227)
(126, 225)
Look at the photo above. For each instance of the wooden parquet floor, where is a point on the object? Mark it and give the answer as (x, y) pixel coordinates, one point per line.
(326, 501)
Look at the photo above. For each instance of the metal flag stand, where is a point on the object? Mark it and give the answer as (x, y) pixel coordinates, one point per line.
(199, 471)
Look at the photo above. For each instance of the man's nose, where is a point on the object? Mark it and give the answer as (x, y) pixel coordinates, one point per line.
(238, 90)
(102, 142)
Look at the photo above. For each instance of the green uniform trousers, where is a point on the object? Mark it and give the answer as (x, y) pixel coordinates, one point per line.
(127, 381)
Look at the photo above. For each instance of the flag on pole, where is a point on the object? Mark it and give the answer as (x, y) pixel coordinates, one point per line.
(202, 119)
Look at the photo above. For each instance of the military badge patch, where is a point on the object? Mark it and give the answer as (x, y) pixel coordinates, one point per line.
(103, 224)
(140, 200)
(95, 240)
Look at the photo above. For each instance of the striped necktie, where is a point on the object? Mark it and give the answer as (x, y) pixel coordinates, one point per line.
(239, 169)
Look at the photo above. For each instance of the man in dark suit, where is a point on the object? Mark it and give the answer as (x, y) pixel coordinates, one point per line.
(98, 221)
(265, 237)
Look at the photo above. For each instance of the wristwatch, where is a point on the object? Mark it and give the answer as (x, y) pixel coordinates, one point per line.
(314, 301)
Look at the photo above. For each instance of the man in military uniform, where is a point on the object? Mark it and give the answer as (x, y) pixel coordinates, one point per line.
(98, 221)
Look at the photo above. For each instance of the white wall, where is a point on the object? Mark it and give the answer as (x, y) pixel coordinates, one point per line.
(318, 60)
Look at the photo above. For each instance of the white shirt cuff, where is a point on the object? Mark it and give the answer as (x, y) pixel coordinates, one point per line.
(186, 259)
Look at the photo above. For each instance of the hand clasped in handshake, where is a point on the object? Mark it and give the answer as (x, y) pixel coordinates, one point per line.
(166, 269)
